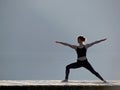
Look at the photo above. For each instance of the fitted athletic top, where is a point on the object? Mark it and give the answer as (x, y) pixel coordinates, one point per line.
(81, 52)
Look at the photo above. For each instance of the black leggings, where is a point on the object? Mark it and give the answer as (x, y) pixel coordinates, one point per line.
(79, 64)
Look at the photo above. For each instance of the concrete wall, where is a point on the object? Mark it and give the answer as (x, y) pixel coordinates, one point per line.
(59, 87)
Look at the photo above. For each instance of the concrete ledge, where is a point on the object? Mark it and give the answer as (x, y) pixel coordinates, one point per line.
(58, 85)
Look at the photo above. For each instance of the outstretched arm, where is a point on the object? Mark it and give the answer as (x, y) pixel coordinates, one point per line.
(66, 44)
(96, 42)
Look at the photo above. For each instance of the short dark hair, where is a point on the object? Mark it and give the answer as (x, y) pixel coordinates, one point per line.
(82, 38)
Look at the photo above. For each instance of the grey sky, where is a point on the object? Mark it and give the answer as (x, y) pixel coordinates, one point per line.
(28, 29)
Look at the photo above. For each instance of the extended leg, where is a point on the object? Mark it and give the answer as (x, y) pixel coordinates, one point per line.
(90, 68)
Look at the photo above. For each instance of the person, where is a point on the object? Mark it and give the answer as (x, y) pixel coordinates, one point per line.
(82, 61)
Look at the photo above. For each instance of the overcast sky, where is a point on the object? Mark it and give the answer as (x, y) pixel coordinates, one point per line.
(28, 29)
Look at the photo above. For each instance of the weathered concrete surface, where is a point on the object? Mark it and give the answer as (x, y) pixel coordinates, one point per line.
(58, 85)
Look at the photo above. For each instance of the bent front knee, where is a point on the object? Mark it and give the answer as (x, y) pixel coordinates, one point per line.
(67, 67)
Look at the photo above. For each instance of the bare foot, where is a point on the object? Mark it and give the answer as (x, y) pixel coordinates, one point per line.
(65, 80)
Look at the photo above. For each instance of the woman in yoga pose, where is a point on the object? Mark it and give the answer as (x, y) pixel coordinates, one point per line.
(82, 61)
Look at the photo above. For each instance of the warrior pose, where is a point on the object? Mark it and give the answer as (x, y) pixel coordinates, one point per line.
(82, 61)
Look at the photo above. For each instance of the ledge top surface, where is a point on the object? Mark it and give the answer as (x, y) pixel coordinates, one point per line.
(58, 83)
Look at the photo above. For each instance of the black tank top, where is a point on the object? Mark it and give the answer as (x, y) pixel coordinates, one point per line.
(81, 52)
